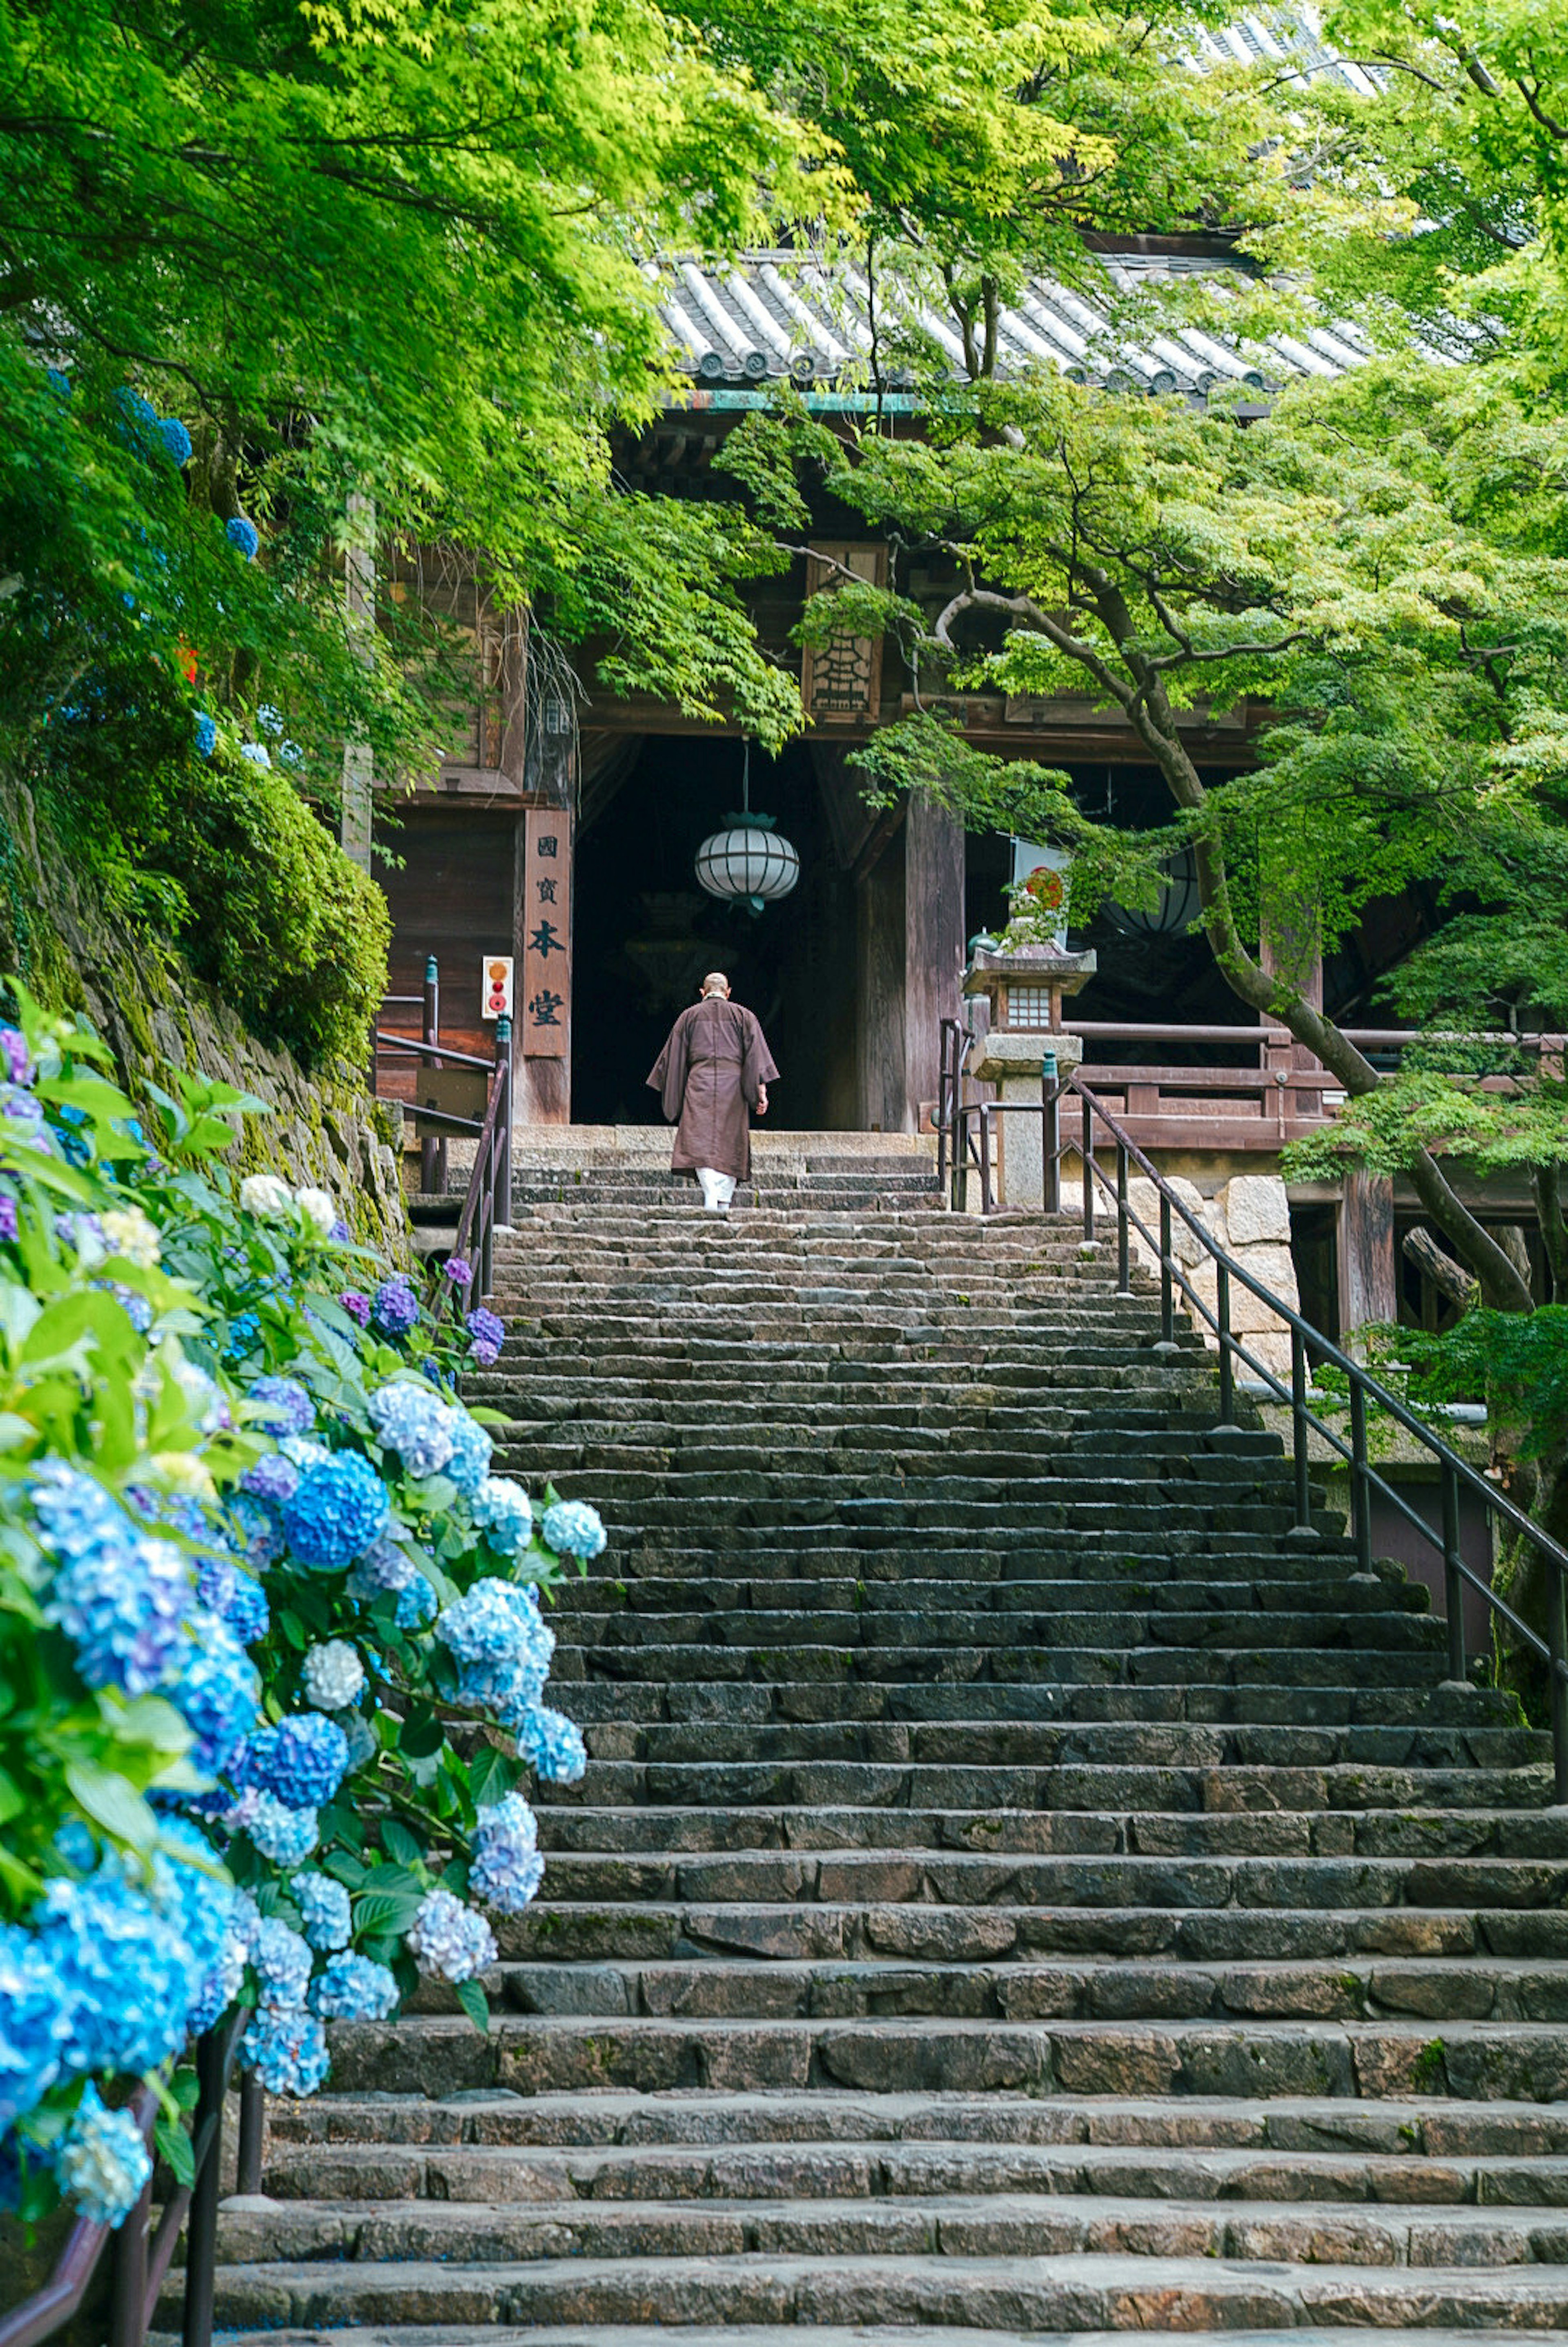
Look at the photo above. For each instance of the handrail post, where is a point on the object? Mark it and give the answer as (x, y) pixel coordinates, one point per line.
(943, 1101)
(253, 2122)
(1557, 1641)
(503, 1131)
(127, 2275)
(430, 1148)
(1124, 1236)
(1227, 1366)
(1360, 1484)
(1088, 1153)
(1050, 1137)
(1299, 1434)
(201, 2238)
(1167, 1279)
(1453, 1581)
(985, 1157)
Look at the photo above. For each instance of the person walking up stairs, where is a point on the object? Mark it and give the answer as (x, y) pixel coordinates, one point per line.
(1019, 1885)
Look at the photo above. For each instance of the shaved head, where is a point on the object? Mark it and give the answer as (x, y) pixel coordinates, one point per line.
(716, 983)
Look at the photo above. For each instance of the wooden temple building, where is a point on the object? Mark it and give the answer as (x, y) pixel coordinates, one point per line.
(559, 837)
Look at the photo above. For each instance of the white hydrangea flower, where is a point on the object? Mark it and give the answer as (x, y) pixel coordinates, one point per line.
(129, 1233)
(265, 1195)
(319, 1208)
(332, 1676)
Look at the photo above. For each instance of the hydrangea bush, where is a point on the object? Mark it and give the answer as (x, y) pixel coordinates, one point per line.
(272, 1661)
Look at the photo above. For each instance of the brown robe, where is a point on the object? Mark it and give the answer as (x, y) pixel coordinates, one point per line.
(707, 1077)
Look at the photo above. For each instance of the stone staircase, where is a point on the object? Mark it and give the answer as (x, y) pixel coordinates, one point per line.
(1020, 1885)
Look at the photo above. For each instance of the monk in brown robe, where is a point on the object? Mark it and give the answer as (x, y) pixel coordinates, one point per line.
(711, 1075)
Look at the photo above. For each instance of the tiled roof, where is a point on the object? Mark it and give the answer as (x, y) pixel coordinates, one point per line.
(782, 316)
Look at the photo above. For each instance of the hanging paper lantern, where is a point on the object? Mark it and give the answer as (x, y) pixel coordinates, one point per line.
(749, 862)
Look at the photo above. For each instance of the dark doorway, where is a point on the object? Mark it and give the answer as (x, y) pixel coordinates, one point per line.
(645, 933)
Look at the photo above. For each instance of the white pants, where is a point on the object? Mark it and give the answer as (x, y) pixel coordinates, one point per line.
(717, 1189)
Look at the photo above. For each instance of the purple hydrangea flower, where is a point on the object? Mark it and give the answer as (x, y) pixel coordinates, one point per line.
(18, 1059)
(274, 1479)
(8, 1224)
(395, 1308)
(488, 1333)
(258, 1528)
(458, 1270)
(288, 1407)
(357, 1305)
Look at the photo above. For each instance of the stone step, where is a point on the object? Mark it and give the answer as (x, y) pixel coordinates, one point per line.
(1377, 1664)
(1378, 1624)
(593, 1930)
(1074, 2293)
(884, 1714)
(1424, 2136)
(631, 2334)
(996, 2223)
(1026, 1743)
(706, 1986)
(498, 2173)
(1071, 1823)
(1372, 2059)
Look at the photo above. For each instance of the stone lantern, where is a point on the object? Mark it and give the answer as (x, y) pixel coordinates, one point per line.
(1024, 986)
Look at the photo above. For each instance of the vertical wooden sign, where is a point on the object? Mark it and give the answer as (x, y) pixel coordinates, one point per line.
(841, 681)
(544, 1005)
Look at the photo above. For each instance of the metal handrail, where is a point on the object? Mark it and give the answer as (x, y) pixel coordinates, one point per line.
(1456, 1473)
(490, 1180)
(141, 2256)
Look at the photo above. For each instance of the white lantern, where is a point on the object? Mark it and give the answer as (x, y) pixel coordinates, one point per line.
(749, 862)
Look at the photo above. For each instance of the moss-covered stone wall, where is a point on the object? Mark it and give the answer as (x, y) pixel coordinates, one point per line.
(57, 936)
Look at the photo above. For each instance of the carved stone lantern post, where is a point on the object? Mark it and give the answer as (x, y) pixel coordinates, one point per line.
(1024, 986)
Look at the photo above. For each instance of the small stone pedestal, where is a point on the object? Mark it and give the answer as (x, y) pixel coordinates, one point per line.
(1025, 989)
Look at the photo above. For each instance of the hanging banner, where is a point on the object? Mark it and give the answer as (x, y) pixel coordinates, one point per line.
(544, 1014)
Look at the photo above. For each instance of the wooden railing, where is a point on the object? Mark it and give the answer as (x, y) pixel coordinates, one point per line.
(141, 2253)
(969, 1143)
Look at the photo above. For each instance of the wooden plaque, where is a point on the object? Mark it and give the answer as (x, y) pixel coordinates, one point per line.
(544, 998)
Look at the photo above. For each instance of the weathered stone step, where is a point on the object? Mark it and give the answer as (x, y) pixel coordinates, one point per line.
(483, 2171)
(1030, 1742)
(706, 1986)
(1072, 1822)
(1427, 2134)
(1372, 2059)
(1000, 2223)
(1381, 1625)
(597, 1931)
(896, 1711)
(960, 1877)
(1308, 1586)
(457, 2334)
(1378, 1663)
(1073, 2293)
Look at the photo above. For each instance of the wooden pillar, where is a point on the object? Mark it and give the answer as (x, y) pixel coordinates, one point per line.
(879, 949)
(933, 944)
(1367, 1279)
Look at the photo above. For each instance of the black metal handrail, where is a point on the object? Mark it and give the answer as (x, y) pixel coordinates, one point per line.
(1456, 1475)
(490, 1181)
(142, 2254)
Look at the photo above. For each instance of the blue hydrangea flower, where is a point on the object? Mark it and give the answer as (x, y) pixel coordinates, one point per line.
(502, 1508)
(191, 1892)
(383, 1569)
(355, 1988)
(282, 1961)
(243, 536)
(118, 1594)
(552, 1745)
(288, 1407)
(175, 441)
(286, 1835)
(574, 1529)
(324, 1906)
(337, 1512)
(332, 1676)
(449, 1941)
(246, 1612)
(244, 1336)
(394, 1309)
(35, 2016)
(217, 1694)
(304, 1451)
(103, 2163)
(415, 1604)
(507, 1869)
(495, 1621)
(206, 734)
(469, 1465)
(287, 2049)
(302, 1759)
(221, 1985)
(408, 1420)
(125, 1967)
